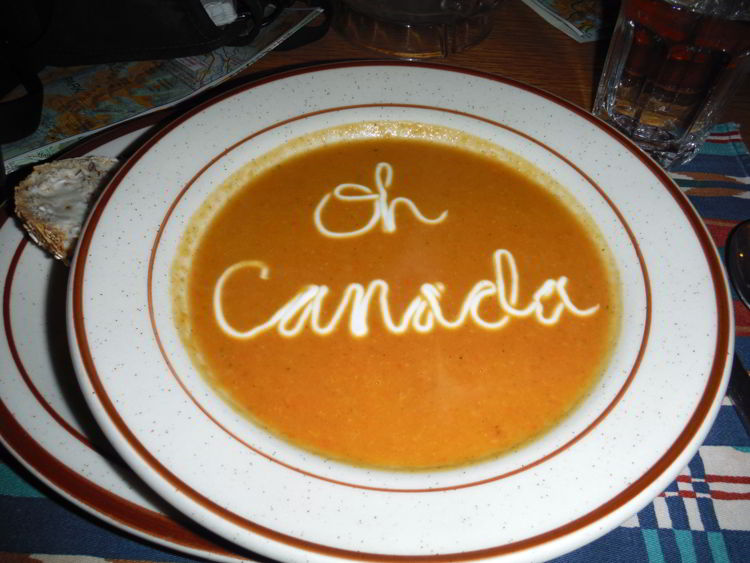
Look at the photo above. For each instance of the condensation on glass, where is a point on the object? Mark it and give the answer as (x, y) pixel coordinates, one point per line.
(672, 66)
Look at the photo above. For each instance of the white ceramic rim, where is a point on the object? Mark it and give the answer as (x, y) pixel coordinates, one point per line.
(608, 491)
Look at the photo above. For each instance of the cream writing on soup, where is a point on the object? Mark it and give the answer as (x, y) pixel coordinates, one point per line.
(397, 301)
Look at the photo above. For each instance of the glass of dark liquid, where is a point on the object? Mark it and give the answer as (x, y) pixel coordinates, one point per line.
(672, 66)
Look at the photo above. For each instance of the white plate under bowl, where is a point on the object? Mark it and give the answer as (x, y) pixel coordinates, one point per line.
(44, 421)
(620, 448)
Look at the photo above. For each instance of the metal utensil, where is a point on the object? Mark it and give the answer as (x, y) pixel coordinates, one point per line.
(737, 255)
(738, 260)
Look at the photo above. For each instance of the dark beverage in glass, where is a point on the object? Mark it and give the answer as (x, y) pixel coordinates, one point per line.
(672, 65)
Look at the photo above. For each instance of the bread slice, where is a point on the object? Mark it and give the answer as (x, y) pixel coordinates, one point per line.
(54, 200)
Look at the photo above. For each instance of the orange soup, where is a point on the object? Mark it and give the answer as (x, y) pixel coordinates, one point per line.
(412, 299)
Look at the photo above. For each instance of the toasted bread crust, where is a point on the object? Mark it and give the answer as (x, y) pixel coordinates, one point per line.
(54, 200)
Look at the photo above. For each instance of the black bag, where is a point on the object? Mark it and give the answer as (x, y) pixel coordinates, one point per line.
(39, 33)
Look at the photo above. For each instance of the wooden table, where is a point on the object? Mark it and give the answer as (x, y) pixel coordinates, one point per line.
(521, 46)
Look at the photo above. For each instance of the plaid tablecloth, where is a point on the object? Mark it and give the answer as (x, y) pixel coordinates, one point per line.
(704, 515)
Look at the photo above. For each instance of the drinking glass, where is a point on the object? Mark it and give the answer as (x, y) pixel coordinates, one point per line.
(672, 66)
(415, 29)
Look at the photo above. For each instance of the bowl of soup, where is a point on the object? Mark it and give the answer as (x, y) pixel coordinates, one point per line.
(423, 315)
(397, 295)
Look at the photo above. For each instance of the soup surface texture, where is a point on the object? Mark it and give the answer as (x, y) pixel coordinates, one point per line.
(410, 299)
